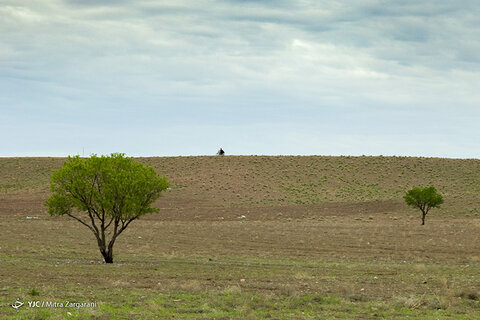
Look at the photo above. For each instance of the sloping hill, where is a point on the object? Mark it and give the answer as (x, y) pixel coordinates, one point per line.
(265, 181)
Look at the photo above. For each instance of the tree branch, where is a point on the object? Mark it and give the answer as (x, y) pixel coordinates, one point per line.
(109, 223)
(93, 221)
(81, 221)
(125, 225)
(92, 187)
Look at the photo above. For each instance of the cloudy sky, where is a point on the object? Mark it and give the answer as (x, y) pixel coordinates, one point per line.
(161, 78)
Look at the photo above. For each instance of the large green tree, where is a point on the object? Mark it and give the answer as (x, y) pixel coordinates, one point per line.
(105, 194)
(423, 199)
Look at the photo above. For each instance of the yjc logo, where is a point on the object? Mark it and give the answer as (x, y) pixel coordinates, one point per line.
(34, 304)
(17, 304)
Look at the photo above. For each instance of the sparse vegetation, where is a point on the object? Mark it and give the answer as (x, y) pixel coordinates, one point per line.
(349, 250)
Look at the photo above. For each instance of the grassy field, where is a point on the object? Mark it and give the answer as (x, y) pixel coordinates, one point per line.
(322, 238)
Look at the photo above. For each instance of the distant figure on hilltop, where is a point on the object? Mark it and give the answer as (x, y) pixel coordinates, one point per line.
(220, 152)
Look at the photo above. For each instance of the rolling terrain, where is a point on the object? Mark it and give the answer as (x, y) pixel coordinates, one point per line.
(308, 237)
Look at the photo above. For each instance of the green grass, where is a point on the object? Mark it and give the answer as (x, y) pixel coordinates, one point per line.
(241, 288)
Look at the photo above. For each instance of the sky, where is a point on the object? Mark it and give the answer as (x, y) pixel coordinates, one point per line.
(178, 78)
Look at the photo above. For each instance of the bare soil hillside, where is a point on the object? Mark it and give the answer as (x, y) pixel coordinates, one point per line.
(311, 183)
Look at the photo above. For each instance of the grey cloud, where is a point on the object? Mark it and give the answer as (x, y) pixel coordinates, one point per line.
(240, 62)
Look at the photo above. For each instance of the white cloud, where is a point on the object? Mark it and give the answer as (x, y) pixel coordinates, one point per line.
(241, 63)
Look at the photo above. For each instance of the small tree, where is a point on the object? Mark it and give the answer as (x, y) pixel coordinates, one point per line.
(423, 199)
(105, 194)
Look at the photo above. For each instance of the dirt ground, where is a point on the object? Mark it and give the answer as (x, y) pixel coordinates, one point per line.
(356, 230)
(371, 249)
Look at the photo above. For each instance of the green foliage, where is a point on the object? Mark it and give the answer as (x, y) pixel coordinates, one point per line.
(423, 199)
(114, 185)
(108, 190)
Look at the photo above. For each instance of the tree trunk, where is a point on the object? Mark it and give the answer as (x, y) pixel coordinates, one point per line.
(106, 253)
(108, 256)
(423, 218)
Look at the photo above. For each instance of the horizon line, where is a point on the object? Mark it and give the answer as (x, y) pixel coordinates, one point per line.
(241, 155)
